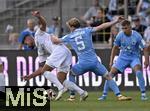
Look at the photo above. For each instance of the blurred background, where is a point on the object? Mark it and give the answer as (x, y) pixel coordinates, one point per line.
(16, 17)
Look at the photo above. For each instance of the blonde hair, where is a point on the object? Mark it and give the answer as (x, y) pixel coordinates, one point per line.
(73, 22)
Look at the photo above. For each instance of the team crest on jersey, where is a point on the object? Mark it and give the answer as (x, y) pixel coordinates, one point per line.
(133, 42)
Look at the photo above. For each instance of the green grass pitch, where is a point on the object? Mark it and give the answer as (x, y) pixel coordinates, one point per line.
(110, 104)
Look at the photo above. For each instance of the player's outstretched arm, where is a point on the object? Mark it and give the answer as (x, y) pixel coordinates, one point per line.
(34, 74)
(108, 24)
(42, 21)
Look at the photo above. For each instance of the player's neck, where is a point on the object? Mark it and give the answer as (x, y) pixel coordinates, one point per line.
(128, 34)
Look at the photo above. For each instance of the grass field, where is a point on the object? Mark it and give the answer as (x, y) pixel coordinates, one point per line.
(111, 103)
(91, 104)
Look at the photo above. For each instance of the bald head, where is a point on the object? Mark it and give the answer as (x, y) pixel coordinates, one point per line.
(31, 24)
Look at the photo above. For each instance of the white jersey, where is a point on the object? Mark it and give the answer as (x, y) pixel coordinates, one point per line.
(56, 56)
(44, 44)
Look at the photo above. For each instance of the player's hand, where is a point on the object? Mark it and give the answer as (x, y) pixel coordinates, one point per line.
(120, 18)
(55, 39)
(35, 13)
(26, 78)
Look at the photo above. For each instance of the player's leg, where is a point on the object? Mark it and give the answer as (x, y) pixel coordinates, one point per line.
(46, 70)
(58, 58)
(2, 83)
(113, 72)
(72, 93)
(72, 86)
(118, 66)
(136, 65)
(2, 86)
(61, 75)
(65, 63)
(109, 81)
(101, 70)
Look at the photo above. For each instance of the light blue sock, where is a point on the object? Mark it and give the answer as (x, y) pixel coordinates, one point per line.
(72, 79)
(112, 84)
(106, 88)
(141, 81)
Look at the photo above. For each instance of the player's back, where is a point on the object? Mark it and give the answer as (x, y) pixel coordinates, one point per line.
(81, 42)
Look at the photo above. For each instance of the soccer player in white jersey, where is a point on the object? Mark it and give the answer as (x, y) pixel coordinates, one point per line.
(2, 81)
(56, 56)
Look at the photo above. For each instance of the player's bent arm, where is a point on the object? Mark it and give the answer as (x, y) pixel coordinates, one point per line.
(43, 23)
(146, 55)
(114, 52)
(56, 40)
(41, 19)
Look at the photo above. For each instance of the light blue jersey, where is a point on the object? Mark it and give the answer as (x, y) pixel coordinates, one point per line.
(81, 42)
(130, 46)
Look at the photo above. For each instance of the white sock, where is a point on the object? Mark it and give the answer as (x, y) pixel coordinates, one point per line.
(2, 82)
(143, 94)
(52, 78)
(119, 95)
(72, 86)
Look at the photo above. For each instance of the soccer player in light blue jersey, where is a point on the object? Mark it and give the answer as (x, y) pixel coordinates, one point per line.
(81, 41)
(130, 44)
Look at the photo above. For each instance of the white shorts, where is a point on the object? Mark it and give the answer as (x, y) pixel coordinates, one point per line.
(61, 59)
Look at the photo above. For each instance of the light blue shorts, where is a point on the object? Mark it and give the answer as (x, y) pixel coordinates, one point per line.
(122, 64)
(95, 66)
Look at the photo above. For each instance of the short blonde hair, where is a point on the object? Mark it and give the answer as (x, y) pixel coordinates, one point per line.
(74, 22)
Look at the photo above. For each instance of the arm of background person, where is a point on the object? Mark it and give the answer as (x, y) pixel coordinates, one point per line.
(139, 7)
